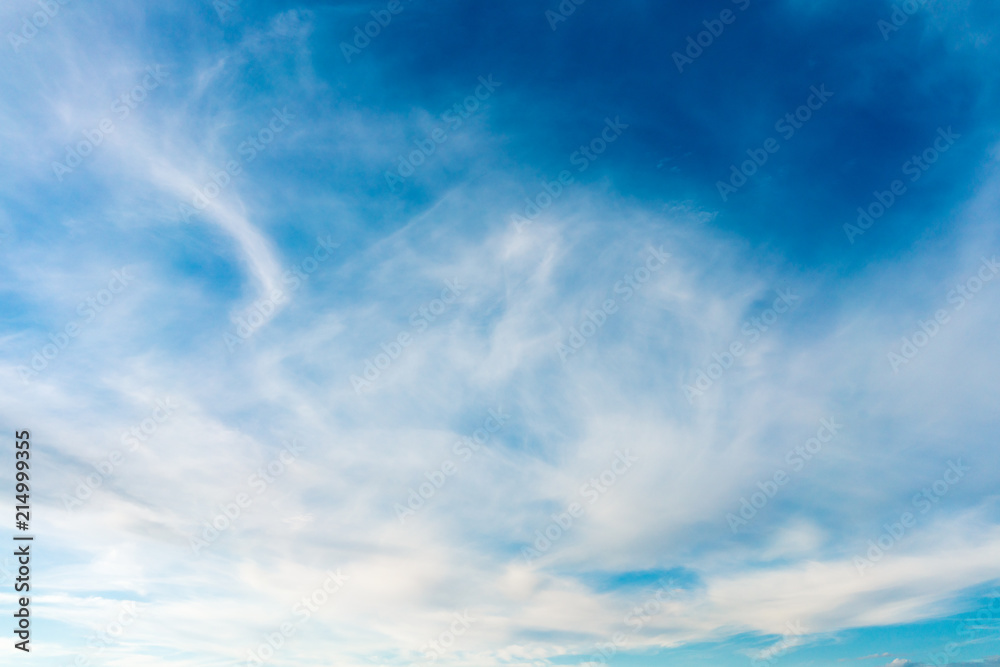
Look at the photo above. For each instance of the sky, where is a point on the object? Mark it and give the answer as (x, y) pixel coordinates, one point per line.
(577, 333)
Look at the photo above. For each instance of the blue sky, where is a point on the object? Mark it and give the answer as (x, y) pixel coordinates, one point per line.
(520, 334)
